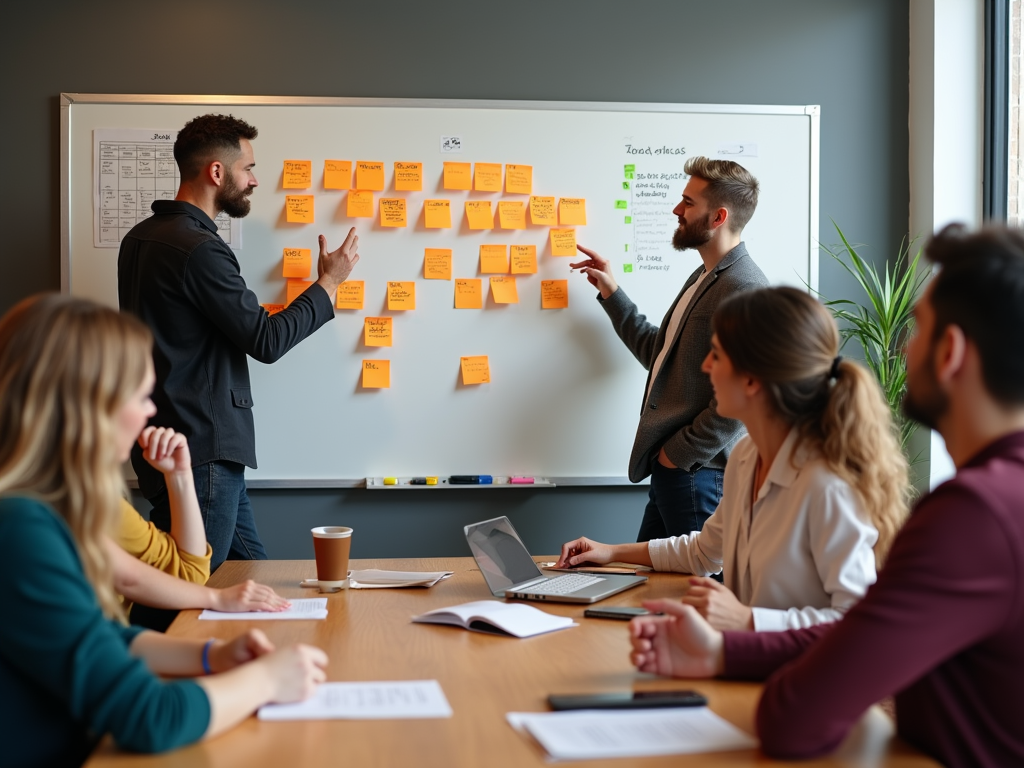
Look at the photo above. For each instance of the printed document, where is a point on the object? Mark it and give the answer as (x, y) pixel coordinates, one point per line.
(392, 700)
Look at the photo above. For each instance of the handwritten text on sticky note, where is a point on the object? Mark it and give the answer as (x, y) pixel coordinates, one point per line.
(479, 215)
(468, 293)
(297, 262)
(542, 211)
(369, 175)
(437, 214)
(392, 212)
(437, 263)
(476, 370)
(401, 294)
(524, 259)
(272, 309)
(377, 331)
(294, 289)
(458, 176)
(493, 259)
(337, 174)
(298, 209)
(519, 179)
(487, 177)
(350, 294)
(511, 214)
(503, 290)
(572, 211)
(554, 294)
(409, 177)
(298, 174)
(563, 242)
(376, 374)
(360, 205)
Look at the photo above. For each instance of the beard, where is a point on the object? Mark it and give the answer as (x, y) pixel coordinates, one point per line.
(693, 234)
(924, 402)
(233, 200)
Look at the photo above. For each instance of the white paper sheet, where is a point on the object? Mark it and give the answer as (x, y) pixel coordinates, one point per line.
(393, 700)
(593, 734)
(305, 608)
(378, 579)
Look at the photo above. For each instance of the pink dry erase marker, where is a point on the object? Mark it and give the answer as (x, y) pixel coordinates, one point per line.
(517, 480)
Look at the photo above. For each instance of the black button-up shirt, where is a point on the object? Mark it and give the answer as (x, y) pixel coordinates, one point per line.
(176, 274)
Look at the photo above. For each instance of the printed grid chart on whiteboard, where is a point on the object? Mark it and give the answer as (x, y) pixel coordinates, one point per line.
(132, 168)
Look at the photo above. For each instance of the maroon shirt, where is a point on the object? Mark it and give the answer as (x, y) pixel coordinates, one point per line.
(942, 629)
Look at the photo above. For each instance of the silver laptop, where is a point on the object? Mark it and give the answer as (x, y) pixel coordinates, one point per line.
(509, 570)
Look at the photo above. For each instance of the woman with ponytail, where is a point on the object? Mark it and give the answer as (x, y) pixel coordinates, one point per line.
(812, 496)
(75, 380)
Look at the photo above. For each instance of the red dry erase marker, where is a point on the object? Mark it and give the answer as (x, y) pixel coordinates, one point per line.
(518, 480)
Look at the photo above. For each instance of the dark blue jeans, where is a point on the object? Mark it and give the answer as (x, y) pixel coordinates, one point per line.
(679, 501)
(227, 513)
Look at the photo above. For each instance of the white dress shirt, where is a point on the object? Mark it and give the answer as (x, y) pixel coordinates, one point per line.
(801, 556)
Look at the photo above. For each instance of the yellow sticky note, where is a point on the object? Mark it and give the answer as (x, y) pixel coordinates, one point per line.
(554, 294)
(542, 211)
(376, 374)
(377, 331)
(438, 214)
(409, 177)
(563, 242)
(503, 290)
(468, 293)
(369, 175)
(392, 212)
(298, 174)
(350, 294)
(337, 174)
(511, 214)
(493, 259)
(272, 309)
(295, 288)
(572, 210)
(360, 205)
(478, 213)
(297, 262)
(476, 370)
(401, 294)
(487, 177)
(458, 176)
(437, 263)
(298, 209)
(524, 259)
(519, 179)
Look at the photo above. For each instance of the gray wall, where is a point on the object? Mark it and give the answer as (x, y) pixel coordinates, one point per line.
(849, 56)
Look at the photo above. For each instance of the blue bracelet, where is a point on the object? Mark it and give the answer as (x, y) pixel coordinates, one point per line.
(206, 658)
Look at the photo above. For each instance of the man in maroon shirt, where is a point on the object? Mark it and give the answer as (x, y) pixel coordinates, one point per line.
(943, 628)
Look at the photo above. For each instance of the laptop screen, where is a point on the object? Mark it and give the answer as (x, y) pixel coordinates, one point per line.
(501, 554)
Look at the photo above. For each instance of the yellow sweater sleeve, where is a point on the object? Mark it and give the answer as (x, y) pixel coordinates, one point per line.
(145, 541)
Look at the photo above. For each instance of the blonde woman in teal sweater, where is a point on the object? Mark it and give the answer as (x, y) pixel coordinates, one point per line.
(75, 380)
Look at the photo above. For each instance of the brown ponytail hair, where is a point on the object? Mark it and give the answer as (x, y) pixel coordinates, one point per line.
(67, 366)
(789, 342)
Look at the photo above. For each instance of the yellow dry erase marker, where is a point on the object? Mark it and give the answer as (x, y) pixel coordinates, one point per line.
(390, 481)
(431, 480)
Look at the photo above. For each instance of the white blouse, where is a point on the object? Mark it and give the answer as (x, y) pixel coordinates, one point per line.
(802, 556)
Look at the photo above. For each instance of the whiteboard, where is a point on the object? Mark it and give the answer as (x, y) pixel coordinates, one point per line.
(564, 396)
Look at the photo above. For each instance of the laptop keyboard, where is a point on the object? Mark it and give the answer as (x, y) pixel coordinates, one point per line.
(563, 585)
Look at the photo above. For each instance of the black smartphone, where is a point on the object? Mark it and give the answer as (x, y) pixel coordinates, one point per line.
(627, 700)
(623, 612)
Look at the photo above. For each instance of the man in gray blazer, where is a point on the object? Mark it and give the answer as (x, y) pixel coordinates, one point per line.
(682, 442)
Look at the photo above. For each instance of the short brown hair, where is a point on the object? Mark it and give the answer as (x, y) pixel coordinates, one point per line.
(208, 138)
(730, 186)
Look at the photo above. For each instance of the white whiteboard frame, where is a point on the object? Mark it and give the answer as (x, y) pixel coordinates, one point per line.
(68, 100)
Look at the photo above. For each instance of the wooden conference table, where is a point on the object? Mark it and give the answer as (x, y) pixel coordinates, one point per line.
(368, 636)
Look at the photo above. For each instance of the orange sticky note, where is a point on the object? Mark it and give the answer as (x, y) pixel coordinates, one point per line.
(478, 212)
(272, 309)
(563, 242)
(377, 331)
(295, 288)
(360, 205)
(376, 374)
(493, 259)
(297, 262)
(511, 214)
(401, 294)
(392, 211)
(369, 175)
(487, 177)
(519, 179)
(409, 177)
(438, 214)
(350, 294)
(298, 174)
(468, 293)
(542, 211)
(572, 210)
(476, 370)
(524, 259)
(437, 263)
(503, 290)
(554, 294)
(298, 209)
(337, 174)
(457, 176)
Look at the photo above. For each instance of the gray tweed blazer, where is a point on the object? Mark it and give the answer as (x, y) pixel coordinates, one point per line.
(681, 414)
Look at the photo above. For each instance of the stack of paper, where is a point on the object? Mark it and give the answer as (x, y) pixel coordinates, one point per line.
(365, 701)
(306, 608)
(593, 734)
(377, 579)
